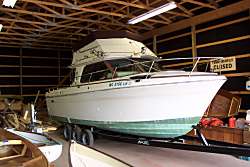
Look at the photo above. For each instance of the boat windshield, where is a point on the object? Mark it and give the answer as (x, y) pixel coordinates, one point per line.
(134, 65)
(118, 68)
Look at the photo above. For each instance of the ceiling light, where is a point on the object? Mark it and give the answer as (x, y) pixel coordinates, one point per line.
(1, 26)
(9, 3)
(152, 13)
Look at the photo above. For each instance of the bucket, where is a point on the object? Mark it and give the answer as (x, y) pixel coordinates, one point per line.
(231, 123)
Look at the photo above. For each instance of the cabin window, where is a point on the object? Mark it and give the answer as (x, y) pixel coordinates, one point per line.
(125, 67)
(94, 72)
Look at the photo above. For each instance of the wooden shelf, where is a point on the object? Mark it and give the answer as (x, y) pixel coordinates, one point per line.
(241, 92)
(243, 74)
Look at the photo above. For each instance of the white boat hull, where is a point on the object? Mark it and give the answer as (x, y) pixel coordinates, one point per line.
(147, 102)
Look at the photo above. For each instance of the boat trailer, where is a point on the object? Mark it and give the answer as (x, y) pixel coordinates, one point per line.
(209, 146)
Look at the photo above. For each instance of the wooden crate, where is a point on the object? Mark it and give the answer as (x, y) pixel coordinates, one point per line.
(224, 134)
(246, 136)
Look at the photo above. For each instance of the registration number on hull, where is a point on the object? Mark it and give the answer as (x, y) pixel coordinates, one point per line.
(119, 84)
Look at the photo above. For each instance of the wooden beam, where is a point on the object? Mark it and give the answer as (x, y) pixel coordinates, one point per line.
(31, 35)
(204, 29)
(128, 4)
(203, 61)
(224, 41)
(32, 45)
(48, 9)
(74, 7)
(203, 18)
(174, 51)
(214, 3)
(25, 86)
(45, 30)
(240, 92)
(7, 45)
(155, 44)
(200, 3)
(13, 23)
(19, 96)
(65, 17)
(184, 9)
(35, 57)
(36, 40)
(207, 44)
(30, 76)
(42, 23)
(242, 74)
(194, 48)
(87, 4)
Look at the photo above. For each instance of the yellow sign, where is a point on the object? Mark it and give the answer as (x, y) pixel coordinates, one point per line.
(226, 64)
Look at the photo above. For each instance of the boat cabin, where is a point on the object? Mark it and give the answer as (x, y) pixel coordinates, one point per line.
(105, 59)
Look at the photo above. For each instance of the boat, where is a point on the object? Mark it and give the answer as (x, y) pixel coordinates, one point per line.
(17, 151)
(51, 148)
(81, 155)
(118, 86)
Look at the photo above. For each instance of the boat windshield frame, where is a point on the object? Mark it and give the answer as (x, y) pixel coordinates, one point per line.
(115, 69)
(143, 65)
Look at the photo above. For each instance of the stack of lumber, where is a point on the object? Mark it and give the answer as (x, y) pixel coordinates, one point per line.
(14, 114)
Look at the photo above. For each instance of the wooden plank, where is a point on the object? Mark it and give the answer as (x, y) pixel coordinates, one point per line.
(174, 51)
(38, 41)
(32, 45)
(224, 41)
(204, 29)
(223, 24)
(155, 44)
(240, 92)
(200, 3)
(243, 74)
(30, 76)
(207, 44)
(17, 66)
(35, 57)
(203, 61)
(19, 96)
(203, 18)
(25, 86)
(61, 16)
(171, 38)
(7, 45)
(42, 23)
(194, 48)
(74, 7)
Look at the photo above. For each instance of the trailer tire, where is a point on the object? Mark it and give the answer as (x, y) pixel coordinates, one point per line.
(87, 137)
(77, 134)
(67, 132)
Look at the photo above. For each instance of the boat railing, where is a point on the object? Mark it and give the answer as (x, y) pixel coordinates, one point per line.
(149, 64)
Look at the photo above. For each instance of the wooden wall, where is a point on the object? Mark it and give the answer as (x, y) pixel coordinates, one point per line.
(224, 37)
(24, 71)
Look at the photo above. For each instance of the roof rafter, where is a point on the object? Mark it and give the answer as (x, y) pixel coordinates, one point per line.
(74, 7)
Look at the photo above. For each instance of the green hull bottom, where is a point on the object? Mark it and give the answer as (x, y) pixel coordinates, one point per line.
(169, 128)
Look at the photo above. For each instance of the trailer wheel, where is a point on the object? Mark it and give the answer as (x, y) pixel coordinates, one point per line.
(87, 137)
(77, 132)
(67, 132)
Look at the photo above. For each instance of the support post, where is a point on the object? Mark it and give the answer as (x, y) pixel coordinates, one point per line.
(194, 48)
(155, 44)
(59, 66)
(21, 71)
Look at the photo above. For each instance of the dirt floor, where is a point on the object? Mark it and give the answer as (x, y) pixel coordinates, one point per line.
(145, 156)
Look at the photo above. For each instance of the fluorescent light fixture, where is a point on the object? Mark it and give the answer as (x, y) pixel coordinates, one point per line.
(152, 13)
(1, 26)
(9, 3)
